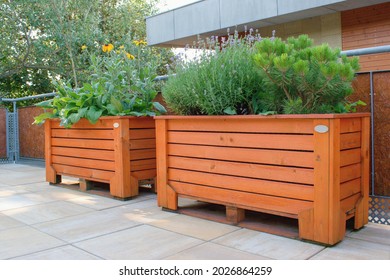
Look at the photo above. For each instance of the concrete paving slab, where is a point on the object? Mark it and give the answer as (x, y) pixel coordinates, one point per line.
(86, 226)
(355, 249)
(46, 212)
(212, 251)
(9, 191)
(60, 253)
(138, 243)
(374, 233)
(17, 201)
(195, 227)
(25, 240)
(268, 245)
(8, 222)
(98, 202)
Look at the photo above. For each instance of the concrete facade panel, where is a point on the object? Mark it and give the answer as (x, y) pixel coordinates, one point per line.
(160, 28)
(241, 12)
(291, 6)
(196, 19)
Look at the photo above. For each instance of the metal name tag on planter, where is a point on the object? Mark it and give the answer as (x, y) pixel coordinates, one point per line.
(116, 125)
(321, 128)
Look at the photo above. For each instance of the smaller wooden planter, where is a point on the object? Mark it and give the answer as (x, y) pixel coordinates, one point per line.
(116, 150)
(314, 168)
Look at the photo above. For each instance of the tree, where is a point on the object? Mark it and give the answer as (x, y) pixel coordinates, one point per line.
(42, 39)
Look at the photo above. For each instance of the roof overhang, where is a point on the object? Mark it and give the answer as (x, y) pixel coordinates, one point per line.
(181, 26)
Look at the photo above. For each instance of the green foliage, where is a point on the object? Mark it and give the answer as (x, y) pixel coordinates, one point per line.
(299, 78)
(119, 85)
(45, 39)
(221, 81)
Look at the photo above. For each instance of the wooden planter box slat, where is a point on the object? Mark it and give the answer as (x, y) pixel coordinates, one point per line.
(274, 164)
(116, 150)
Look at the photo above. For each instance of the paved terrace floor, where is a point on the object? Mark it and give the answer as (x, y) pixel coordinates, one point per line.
(44, 222)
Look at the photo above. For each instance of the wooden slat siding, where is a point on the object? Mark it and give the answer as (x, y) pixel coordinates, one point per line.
(85, 124)
(350, 172)
(86, 173)
(302, 192)
(251, 126)
(138, 165)
(245, 140)
(350, 140)
(349, 203)
(276, 157)
(350, 188)
(141, 122)
(242, 199)
(121, 184)
(268, 172)
(149, 133)
(139, 144)
(336, 222)
(349, 157)
(367, 27)
(83, 153)
(83, 133)
(86, 163)
(83, 143)
(321, 184)
(143, 154)
(144, 174)
(350, 125)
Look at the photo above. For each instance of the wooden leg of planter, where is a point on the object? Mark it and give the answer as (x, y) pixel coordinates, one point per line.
(154, 185)
(134, 186)
(85, 185)
(306, 224)
(54, 179)
(172, 198)
(234, 215)
(359, 214)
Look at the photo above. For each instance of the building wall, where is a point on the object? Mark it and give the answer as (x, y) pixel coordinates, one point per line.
(368, 27)
(322, 29)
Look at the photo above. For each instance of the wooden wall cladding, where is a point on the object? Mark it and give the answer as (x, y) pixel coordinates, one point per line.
(382, 133)
(31, 136)
(367, 27)
(3, 148)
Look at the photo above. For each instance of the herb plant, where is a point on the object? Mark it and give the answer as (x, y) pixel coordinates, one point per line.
(120, 85)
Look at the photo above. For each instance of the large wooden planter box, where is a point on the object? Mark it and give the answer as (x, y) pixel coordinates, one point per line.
(116, 150)
(314, 168)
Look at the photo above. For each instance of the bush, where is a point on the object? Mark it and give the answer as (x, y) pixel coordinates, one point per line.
(221, 81)
(263, 76)
(121, 84)
(299, 78)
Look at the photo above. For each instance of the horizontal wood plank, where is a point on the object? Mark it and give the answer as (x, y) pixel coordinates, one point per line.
(142, 122)
(303, 126)
(350, 125)
(349, 203)
(137, 165)
(276, 157)
(83, 153)
(241, 199)
(142, 154)
(350, 172)
(348, 157)
(142, 144)
(145, 174)
(86, 173)
(269, 141)
(296, 191)
(349, 188)
(83, 143)
(86, 163)
(267, 172)
(83, 133)
(350, 140)
(142, 133)
(85, 124)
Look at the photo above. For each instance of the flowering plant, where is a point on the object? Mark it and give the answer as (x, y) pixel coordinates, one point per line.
(121, 84)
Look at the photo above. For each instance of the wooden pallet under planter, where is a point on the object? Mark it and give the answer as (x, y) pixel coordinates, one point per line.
(314, 168)
(116, 150)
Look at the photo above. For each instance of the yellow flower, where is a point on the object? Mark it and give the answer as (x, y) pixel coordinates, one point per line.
(140, 42)
(83, 47)
(122, 47)
(130, 56)
(107, 47)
